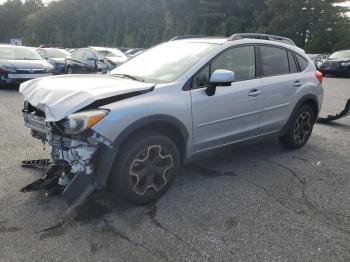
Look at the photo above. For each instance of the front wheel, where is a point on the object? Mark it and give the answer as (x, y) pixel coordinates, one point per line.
(145, 168)
(300, 129)
(69, 70)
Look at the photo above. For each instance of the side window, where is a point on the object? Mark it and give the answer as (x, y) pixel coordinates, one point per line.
(274, 61)
(240, 60)
(89, 54)
(303, 63)
(80, 54)
(293, 68)
(202, 79)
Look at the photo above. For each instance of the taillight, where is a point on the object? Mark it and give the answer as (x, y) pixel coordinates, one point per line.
(319, 76)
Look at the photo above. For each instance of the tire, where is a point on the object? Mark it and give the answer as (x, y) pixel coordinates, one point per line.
(145, 168)
(300, 129)
(69, 70)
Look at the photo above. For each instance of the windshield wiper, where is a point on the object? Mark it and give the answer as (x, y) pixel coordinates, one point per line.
(136, 78)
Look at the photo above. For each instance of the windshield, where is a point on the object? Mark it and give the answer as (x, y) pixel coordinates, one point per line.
(18, 53)
(340, 54)
(56, 53)
(166, 62)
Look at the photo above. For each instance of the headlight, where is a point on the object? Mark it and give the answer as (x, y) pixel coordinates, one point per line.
(7, 69)
(345, 63)
(78, 122)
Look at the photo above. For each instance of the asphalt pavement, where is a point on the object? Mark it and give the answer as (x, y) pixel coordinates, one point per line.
(254, 203)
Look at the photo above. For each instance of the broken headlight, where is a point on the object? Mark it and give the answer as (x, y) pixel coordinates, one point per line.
(79, 122)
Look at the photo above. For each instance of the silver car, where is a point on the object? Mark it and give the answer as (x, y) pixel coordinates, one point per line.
(132, 129)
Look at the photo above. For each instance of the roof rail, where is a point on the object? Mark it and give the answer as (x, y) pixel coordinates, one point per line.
(262, 36)
(180, 37)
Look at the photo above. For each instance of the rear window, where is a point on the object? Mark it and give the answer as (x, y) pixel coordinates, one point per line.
(274, 61)
(303, 63)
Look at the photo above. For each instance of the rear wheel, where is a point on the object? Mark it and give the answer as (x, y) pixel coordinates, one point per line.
(300, 130)
(145, 168)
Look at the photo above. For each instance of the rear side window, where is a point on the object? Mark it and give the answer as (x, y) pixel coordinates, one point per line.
(292, 64)
(274, 61)
(303, 63)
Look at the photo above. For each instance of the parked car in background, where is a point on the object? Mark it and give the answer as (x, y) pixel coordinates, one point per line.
(170, 105)
(19, 64)
(134, 52)
(318, 59)
(56, 57)
(337, 64)
(94, 59)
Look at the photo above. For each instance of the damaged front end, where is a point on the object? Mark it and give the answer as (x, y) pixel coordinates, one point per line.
(76, 150)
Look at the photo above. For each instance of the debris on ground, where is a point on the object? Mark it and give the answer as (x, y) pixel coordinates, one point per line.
(331, 118)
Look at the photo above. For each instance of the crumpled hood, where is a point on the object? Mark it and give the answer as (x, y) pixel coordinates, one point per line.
(60, 96)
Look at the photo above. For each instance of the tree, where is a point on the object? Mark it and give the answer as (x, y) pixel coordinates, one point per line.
(317, 26)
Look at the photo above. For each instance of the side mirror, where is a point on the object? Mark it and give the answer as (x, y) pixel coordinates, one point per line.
(219, 77)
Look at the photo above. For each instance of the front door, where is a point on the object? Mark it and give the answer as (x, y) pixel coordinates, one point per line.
(233, 113)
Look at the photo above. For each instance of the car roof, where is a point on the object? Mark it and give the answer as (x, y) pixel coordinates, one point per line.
(98, 48)
(226, 41)
(209, 40)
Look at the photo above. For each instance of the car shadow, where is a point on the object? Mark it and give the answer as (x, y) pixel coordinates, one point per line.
(103, 202)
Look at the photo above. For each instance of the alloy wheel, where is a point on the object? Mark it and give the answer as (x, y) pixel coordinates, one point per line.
(303, 127)
(149, 168)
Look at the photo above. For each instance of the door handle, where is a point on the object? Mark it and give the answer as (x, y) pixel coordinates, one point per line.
(254, 93)
(298, 83)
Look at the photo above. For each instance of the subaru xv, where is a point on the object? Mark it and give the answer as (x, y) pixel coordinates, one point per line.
(132, 129)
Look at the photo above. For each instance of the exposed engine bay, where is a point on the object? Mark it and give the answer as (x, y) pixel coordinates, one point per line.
(72, 156)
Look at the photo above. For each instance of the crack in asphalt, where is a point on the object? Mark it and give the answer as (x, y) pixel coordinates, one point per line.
(5, 229)
(152, 212)
(315, 212)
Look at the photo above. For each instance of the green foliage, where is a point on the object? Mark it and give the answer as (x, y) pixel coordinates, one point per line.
(318, 26)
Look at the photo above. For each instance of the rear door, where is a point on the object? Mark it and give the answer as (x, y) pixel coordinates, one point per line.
(233, 113)
(280, 78)
(77, 61)
(90, 61)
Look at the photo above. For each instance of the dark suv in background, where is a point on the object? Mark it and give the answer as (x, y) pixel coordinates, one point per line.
(337, 64)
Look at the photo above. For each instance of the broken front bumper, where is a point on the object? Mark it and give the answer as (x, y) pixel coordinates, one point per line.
(87, 158)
